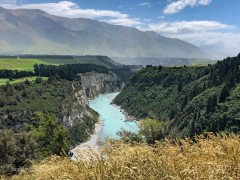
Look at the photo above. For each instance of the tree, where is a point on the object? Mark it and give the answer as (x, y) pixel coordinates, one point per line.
(7, 151)
(36, 69)
(152, 130)
(211, 103)
(2, 102)
(38, 80)
(180, 86)
(27, 82)
(51, 136)
(224, 94)
(16, 151)
(128, 136)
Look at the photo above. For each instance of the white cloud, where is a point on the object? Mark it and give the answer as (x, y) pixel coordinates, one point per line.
(161, 17)
(219, 40)
(69, 9)
(217, 44)
(179, 5)
(72, 10)
(147, 20)
(123, 21)
(183, 27)
(147, 4)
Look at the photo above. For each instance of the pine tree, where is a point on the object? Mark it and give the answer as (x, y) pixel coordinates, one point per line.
(224, 94)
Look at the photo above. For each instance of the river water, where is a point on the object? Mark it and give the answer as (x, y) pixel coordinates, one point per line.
(111, 116)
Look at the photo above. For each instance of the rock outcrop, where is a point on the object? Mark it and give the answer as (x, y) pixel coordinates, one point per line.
(96, 83)
(92, 84)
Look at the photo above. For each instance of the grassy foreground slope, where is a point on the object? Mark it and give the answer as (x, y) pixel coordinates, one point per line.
(214, 157)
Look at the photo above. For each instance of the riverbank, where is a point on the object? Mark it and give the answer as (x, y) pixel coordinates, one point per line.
(112, 120)
(92, 145)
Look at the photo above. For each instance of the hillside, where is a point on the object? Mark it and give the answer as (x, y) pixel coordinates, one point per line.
(49, 113)
(189, 100)
(36, 32)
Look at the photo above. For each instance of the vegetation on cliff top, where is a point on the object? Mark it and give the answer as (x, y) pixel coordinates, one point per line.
(190, 100)
(39, 110)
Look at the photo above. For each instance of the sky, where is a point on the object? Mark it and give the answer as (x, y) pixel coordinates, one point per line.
(213, 25)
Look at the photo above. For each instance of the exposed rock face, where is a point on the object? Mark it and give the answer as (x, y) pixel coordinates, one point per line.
(92, 84)
(96, 83)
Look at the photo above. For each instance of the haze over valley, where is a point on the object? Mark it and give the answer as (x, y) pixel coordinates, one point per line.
(36, 32)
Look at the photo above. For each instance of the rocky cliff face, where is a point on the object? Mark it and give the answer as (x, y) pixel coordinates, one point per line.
(96, 83)
(92, 84)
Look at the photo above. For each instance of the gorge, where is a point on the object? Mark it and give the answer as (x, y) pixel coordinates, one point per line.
(112, 117)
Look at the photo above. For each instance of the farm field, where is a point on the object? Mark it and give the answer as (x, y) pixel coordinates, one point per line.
(19, 64)
(71, 60)
(103, 61)
(26, 64)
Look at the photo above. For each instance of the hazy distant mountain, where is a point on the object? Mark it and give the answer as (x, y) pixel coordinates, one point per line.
(36, 32)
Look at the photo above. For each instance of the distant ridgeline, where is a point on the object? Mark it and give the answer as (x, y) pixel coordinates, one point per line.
(190, 100)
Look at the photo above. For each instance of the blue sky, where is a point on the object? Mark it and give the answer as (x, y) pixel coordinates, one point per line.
(213, 25)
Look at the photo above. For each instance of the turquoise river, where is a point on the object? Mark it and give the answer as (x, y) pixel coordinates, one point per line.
(111, 115)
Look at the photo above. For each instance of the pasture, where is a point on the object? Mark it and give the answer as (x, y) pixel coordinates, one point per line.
(19, 64)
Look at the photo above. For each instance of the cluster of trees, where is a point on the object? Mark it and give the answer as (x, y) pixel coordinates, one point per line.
(16, 94)
(190, 100)
(81, 130)
(15, 74)
(50, 135)
(150, 131)
(17, 150)
(68, 71)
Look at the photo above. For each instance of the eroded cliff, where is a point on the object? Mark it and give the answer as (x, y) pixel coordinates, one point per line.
(97, 83)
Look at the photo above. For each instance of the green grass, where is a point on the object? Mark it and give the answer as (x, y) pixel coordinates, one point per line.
(19, 64)
(3, 81)
(25, 64)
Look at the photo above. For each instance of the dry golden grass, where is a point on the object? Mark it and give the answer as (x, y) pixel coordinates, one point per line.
(214, 157)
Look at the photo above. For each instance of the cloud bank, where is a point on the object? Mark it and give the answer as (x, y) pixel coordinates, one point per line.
(219, 40)
(186, 27)
(179, 5)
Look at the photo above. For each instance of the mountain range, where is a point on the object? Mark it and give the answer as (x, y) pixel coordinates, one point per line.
(34, 31)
